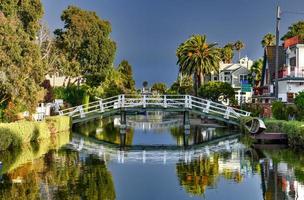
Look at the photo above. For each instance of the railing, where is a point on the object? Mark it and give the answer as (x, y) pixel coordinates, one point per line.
(147, 101)
(152, 156)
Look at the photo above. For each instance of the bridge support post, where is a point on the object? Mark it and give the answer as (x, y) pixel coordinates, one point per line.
(123, 126)
(186, 121)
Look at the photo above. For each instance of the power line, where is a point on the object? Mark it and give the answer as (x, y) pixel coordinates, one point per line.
(293, 12)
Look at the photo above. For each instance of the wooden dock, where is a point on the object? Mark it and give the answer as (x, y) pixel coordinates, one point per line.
(270, 136)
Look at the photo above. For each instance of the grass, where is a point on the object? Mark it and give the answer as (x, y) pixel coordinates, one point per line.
(18, 133)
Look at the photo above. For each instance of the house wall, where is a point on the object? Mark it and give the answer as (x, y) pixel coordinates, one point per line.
(236, 76)
(288, 86)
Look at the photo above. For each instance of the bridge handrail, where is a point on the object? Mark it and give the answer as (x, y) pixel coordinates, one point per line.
(173, 101)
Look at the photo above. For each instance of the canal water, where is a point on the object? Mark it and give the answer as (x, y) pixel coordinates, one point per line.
(158, 161)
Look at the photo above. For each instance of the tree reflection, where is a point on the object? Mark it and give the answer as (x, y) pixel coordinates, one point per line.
(59, 175)
(105, 130)
(199, 174)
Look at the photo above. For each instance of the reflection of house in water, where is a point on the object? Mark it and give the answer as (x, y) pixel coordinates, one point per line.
(279, 182)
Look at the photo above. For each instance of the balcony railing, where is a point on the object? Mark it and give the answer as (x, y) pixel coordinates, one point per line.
(294, 73)
(263, 91)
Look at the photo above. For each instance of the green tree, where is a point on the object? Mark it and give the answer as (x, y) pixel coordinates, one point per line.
(161, 88)
(239, 45)
(227, 53)
(21, 68)
(112, 85)
(29, 13)
(294, 30)
(268, 40)
(217, 91)
(299, 102)
(196, 57)
(127, 74)
(183, 85)
(256, 68)
(86, 45)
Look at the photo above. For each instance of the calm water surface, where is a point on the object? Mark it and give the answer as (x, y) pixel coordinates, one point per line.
(158, 162)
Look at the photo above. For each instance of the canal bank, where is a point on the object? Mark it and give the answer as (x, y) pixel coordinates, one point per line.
(22, 132)
(292, 130)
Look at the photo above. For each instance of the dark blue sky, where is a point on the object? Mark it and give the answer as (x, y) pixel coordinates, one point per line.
(147, 32)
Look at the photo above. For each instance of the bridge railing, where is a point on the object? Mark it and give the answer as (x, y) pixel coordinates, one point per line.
(164, 101)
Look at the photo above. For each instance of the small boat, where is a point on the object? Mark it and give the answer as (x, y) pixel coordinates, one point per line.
(255, 126)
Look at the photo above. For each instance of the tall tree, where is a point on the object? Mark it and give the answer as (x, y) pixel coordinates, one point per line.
(86, 45)
(196, 57)
(161, 88)
(268, 40)
(21, 69)
(239, 45)
(127, 74)
(256, 69)
(227, 53)
(294, 30)
(28, 12)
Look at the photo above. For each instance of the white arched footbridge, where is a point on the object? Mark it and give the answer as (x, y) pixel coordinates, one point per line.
(170, 103)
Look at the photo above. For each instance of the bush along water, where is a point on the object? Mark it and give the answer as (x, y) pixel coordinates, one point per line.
(293, 129)
(21, 132)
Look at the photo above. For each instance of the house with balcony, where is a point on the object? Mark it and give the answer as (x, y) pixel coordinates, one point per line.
(291, 72)
(235, 75)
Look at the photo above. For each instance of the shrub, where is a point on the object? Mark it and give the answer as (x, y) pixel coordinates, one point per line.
(299, 102)
(293, 129)
(72, 94)
(217, 91)
(255, 109)
(279, 110)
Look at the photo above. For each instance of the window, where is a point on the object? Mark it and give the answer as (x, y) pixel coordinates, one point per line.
(292, 61)
(215, 78)
(226, 78)
(243, 77)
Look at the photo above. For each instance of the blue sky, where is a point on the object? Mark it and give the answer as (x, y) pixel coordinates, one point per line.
(147, 32)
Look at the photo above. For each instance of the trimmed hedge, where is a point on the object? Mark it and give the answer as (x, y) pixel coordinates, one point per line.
(17, 133)
(293, 129)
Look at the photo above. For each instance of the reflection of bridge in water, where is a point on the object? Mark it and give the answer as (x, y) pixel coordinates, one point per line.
(158, 154)
(149, 125)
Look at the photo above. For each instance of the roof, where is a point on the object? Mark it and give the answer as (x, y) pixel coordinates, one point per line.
(269, 60)
(232, 67)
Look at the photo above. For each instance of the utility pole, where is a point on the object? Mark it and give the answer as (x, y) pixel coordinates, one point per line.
(278, 18)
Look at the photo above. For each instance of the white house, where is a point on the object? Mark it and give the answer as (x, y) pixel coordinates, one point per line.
(235, 74)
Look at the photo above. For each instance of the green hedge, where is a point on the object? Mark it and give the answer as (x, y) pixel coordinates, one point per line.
(293, 129)
(18, 133)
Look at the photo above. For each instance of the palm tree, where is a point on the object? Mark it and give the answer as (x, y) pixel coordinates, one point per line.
(268, 40)
(239, 45)
(196, 57)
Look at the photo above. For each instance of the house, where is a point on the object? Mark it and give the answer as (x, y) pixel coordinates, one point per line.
(235, 75)
(291, 72)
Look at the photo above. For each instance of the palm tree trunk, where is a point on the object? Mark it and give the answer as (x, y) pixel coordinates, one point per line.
(195, 85)
(239, 56)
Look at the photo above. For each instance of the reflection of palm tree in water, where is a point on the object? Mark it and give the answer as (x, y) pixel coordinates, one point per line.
(201, 173)
(198, 174)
